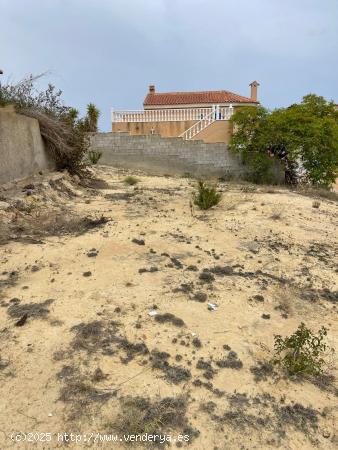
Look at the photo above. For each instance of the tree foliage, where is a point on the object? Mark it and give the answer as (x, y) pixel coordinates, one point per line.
(303, 136)
(92, 117)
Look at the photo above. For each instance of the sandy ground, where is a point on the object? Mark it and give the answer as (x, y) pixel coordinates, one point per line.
(277, 259)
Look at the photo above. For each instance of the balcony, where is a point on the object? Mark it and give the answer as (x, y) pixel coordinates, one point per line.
(172, 115)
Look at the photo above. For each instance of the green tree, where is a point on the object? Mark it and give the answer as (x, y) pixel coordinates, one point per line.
(92, 117)
(303, 136)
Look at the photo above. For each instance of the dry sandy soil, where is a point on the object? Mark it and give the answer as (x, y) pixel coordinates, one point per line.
(80, 353)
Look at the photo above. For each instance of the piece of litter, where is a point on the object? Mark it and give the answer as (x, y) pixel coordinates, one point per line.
(193, 334)
(50, 415)
(212, 307)
(152, 312)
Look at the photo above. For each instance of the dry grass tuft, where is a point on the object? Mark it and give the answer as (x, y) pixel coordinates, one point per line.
(131, 180)
(158, 417)
(66, 145)
(277, 213)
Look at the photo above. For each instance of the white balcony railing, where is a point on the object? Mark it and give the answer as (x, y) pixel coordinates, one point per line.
(172, 115)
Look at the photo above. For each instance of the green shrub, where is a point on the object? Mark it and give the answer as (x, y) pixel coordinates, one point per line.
(94, 156)
(207, 196)
(131, 180)
(260, 168)
(302, 352)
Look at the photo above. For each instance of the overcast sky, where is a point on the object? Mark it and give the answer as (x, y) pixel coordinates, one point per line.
(109, 51)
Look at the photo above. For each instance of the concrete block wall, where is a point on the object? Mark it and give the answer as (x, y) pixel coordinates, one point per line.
(166, 155)
(22, 152)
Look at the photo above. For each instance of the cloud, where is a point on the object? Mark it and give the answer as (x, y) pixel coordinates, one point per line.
(108, 51)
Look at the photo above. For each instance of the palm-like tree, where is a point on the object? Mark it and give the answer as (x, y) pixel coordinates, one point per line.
(72, 115)
(92, 118)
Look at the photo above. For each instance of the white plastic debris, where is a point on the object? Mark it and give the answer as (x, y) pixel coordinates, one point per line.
(193, 334)
(152, 312)
(212, 307)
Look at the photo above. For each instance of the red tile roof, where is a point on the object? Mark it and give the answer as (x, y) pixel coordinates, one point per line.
(192, 98)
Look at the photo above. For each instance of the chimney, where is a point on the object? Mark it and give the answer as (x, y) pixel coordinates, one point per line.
(253, 95)
(152, 89)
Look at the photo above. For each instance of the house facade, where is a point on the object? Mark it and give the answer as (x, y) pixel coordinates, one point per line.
(189, 115)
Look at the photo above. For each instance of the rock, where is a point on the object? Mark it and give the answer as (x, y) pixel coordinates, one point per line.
(87, 274)
(266, 316)
(192, 268)
(206, 277)
(200, 297)
(4, 206)
(138, 241)
(28, 187)
(196, 342)
(21, 322)
(326, 434)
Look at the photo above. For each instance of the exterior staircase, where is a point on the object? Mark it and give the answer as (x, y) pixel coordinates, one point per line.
(199, 126)
(217, 113)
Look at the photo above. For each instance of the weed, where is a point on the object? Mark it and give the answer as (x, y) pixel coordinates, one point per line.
(168, 317)
(80, 394)
(302, 352)
(94, 156)
(230, 203)
(186, 175)
(262, 371)
(207, 196)
(172, 373)
(283, 296)
(230, 362)
(140, 415)
(316, 204)
(277, 213)
(248, 189)
(36, 310)
(131, 180)
(29, 207)
(318, 192)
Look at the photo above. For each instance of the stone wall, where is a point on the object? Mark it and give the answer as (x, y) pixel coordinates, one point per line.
(173, 156)
(22, 152)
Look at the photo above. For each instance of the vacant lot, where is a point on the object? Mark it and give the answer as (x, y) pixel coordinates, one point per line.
(124, 309)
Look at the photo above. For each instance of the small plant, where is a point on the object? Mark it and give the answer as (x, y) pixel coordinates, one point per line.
(207, 196)
(277, 213)
(140, 415)
(94, 156)
(302, 352)
(186, 175)
(316, 204)
(29, 207)
(248, 189)
(131, 180)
